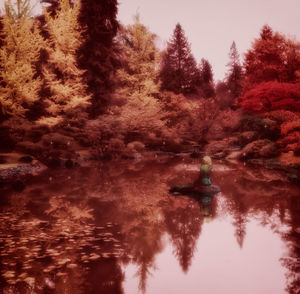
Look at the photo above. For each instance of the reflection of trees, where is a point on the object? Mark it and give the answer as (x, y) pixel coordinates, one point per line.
(249, 192)
(144, 242)
(183, 221)
(292, 261)
(105, 277)
(100, 216)
(141, 196)
(268, 197)
(51, 240)
(240, 221)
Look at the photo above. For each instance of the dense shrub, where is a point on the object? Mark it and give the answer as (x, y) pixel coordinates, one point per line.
(290, 126)
(272, 96)
(264, 127)
(291, 136)
(282, 116)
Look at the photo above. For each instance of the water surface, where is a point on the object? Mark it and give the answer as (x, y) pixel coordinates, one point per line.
(114, 228)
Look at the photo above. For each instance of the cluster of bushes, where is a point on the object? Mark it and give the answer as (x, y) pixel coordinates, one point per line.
(272, 88)
(279, 103)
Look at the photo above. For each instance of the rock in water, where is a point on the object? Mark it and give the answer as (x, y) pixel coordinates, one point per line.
(195, 190)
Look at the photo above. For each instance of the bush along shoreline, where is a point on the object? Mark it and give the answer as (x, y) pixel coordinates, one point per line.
(27, 149)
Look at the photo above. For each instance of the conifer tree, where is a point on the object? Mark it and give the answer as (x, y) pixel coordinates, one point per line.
(235, 73)
(179, 69)
(62, 75)
(206, 79)
(140, 61)
(138, 78)
(22, 43)
(98, 53)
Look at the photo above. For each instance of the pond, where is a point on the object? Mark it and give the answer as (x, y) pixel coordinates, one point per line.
(115, 228)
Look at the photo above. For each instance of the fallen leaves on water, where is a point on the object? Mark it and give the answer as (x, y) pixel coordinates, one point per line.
(29, 280)
(9, 274)
(49, 269)
(49, 283)
(105, 255)
(94, 256)
(63, 261)
(22, 276)
(72, 265)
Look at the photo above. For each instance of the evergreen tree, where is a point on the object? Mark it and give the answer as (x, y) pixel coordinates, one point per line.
(18, 56)
(138, 78)
(235, 73)
(2, 36)
(140, 61)
(63, 77)
(98, 52)
(179, 71)
(206, 79)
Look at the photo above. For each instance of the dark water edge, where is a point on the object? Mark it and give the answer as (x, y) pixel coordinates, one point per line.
(114, 228)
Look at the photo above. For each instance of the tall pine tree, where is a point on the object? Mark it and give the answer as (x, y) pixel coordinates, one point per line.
(206, 79)
(140, 61)
(97, 54)
(19, 53)
(235, 73)
(179, 69)
(138, 79)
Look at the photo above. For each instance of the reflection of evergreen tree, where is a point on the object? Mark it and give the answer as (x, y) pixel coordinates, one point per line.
(292, 261)
(240, 228)
(145, 243)
(239, 213)
(184, 226)
(106, 277)
(140, 209)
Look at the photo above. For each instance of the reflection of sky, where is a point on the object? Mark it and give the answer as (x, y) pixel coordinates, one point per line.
(219, 265)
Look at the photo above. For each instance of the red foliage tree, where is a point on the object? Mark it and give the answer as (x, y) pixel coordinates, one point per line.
(272, 57)
(270, 96)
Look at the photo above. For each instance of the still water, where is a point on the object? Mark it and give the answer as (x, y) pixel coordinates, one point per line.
(114, 228)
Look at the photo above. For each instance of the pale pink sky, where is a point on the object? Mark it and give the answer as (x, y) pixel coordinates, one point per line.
(212, 25)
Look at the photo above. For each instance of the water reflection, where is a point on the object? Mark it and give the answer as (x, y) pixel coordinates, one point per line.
(76, 231)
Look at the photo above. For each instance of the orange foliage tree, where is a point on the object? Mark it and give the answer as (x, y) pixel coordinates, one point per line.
(62, 75)
(20, 51)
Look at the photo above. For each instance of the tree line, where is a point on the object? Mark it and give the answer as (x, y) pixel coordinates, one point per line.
(76, 62)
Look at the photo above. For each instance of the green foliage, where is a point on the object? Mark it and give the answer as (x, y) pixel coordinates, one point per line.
(179, 71)
(18, 57)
